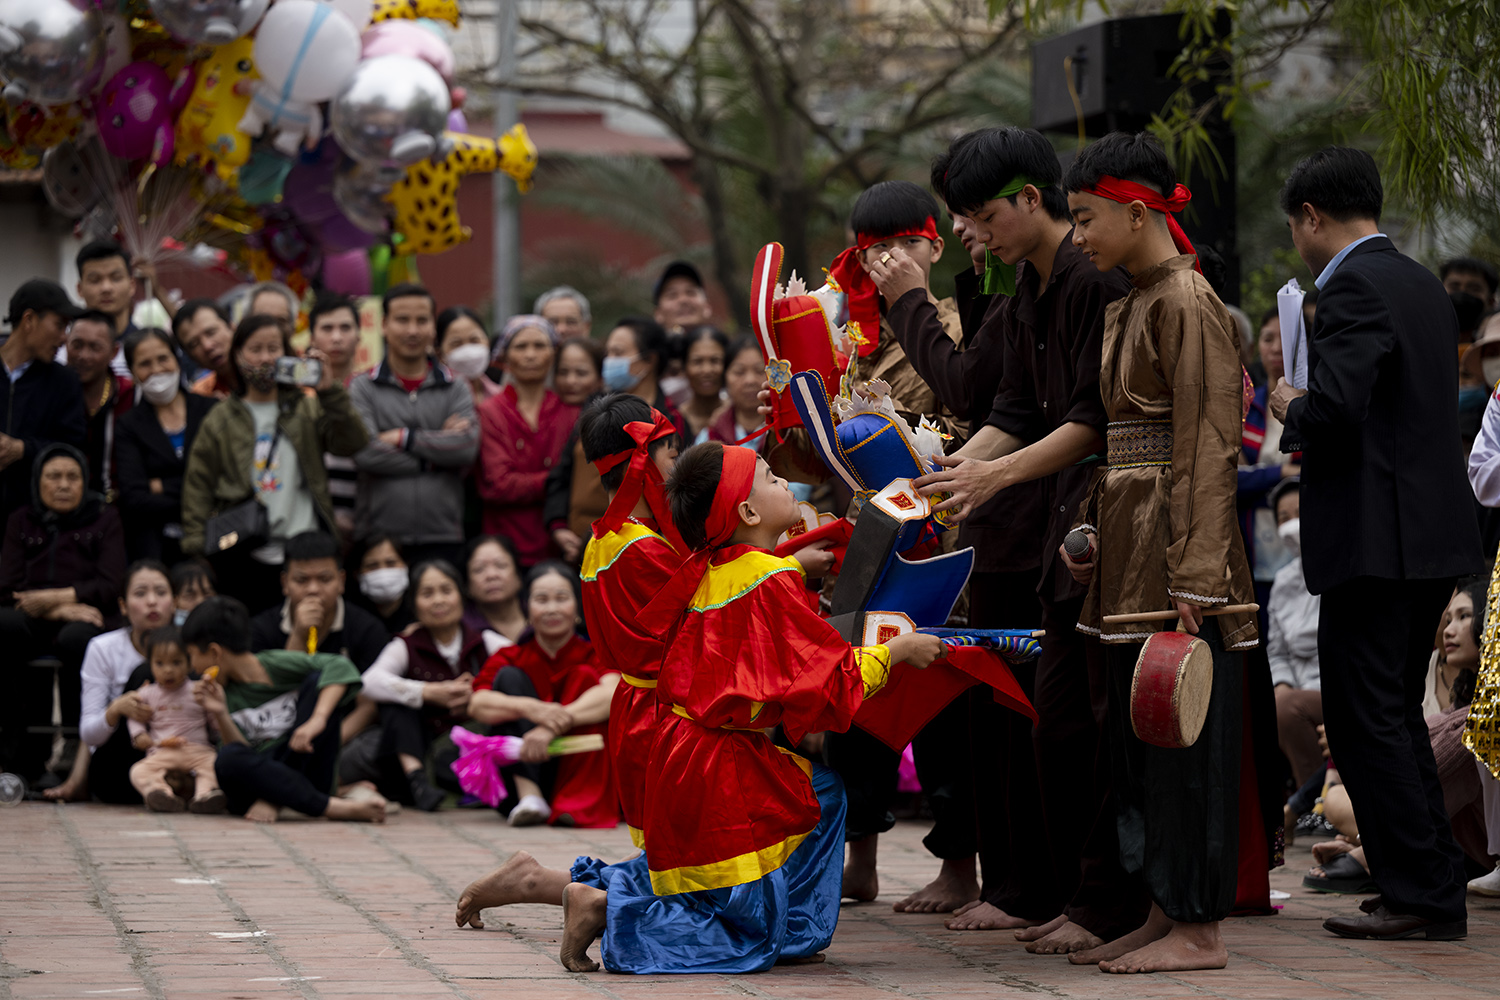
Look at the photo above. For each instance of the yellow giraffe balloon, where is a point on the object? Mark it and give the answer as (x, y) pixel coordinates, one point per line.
(411, 10)
(424, 200)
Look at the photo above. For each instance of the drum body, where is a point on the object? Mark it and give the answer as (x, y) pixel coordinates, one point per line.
(1174, 680)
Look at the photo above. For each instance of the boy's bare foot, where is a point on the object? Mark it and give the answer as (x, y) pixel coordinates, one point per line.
(583, 921)
(522, 879)
(356, 810)
(1185, 948)
(954, 888)
(1154, 929)
(982, 916)
(163, 801)
(262, 812)
(72, 790)
(861, 880)
(1064, 938)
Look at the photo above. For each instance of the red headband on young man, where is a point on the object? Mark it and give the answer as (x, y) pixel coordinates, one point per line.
(735, 483)
(1125, 192)
(643, 478)
(864, 297)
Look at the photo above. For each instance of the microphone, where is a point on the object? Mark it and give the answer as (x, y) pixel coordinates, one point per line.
(1079, 546)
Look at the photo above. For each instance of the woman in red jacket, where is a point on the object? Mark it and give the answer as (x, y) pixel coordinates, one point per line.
(548, 685)
(522, 433)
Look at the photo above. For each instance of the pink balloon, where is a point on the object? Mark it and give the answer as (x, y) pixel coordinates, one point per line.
(409, 38)
(136, 110)
(457, 122)
(347, 273)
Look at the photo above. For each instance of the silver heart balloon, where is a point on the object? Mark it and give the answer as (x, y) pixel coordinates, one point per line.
(359, 190)
(209, 22)
(51, 52)
(391, 112)
(69, 181)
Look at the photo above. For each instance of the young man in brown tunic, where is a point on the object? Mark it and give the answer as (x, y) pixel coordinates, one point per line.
(1163, 510)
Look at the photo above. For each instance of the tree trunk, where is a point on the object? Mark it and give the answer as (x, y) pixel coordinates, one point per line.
(726, 260)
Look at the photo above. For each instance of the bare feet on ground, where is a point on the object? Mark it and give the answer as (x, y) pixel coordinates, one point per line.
(1185, 948)
(861, 879)
(1059, 936)
(69, 791)
(982, 916)
(522, 879)
(356, 810)
(954, 887)
(583, 921)
(263, 812)
(1154, 929)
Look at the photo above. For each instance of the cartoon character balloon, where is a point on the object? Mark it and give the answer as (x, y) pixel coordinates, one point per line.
(50, 51)
(210, 22)
(68, 181)
(426, 214)
(136, 109)
(438, 10)
(209, 126)
(304, 51)
(391, 112)
(37, 127)
(410, 38)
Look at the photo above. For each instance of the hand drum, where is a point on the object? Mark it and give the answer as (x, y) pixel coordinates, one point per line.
(1174, 678)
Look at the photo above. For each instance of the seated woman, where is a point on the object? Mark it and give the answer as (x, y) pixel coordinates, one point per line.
(1341, 864)
(113, 668)
(1292, 644)
(61, 570)
(494, 576)
(152, 442)
(423, 682)
(547, 685)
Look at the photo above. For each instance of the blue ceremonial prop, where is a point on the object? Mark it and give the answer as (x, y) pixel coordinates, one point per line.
(1014, 644)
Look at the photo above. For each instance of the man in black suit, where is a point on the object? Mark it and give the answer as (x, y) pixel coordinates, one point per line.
(1388, 524)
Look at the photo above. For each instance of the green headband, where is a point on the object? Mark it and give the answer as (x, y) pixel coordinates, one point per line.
(1000, 277)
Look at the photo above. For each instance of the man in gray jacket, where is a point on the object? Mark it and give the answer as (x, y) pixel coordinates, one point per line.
(423, 436)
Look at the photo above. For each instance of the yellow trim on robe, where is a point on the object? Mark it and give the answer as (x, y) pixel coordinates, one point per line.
(756, 707)
(874, 666)
(640, 682)
(726, 583)
(637, 837)
(600, 553)
(735, 871)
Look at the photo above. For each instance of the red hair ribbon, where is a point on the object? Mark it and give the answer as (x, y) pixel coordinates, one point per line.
(735, 483)
(1126, 192)
(643, 478)
(864, 297)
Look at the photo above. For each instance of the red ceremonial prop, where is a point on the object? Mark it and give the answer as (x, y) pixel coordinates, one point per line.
(912, 697)
(837, 533)
(795, 336)
(1169, 695)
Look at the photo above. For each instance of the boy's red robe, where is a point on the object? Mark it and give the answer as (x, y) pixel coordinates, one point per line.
(724, 806)
(622, 571)
(585, 787)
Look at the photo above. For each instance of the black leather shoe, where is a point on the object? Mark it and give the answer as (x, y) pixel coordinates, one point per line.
(1383, 925)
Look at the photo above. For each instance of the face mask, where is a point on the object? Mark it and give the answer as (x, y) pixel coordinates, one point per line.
(384, 585)
(469, 361)
(1291, 535)
(179, 617)
(1472, 399)
(261, 378)
(617, 377)
(674, 384)
(161, 388)
(1491, 368)
(1469, 308)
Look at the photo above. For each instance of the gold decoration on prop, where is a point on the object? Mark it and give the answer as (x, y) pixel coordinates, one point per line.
(1482, 731)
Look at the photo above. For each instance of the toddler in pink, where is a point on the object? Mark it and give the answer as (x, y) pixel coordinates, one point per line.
(176, 738)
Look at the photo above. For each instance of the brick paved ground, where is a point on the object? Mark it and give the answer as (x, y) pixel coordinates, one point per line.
(100, 901)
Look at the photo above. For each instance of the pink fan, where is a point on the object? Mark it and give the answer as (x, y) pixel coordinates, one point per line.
(480, 759)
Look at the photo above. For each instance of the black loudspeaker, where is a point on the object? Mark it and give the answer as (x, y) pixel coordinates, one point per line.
(1120, 71)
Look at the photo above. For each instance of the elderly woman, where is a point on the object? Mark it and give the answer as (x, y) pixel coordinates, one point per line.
(522, 434)
(61, 570)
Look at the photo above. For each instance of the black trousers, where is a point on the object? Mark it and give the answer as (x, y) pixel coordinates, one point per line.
(869, 769)
(515, 682)
(28, 695)
(1374, 640)
(300, 781)
(1179, 808)
(945, 768)
(1013, 851)
(412, 731)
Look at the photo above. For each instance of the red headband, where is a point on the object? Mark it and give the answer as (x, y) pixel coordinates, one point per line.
(643, 478)
(864, 297)
(735, 483)
(1126, 192)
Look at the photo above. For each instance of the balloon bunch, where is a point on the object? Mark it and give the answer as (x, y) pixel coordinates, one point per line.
(294, 139)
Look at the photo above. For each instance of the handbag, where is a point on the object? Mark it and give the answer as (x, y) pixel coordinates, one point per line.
(246, 525)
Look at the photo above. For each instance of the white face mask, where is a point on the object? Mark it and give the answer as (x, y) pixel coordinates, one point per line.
(161, 388)
(1491, 368)
(1291, 535)
(469, 361)
(384, 585)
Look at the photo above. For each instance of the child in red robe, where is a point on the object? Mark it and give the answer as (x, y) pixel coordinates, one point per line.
(743, 840)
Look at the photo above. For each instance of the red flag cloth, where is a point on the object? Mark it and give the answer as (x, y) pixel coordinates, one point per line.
(643, 478)
(1125, 192)
(864, 297)
(837, 533)
(912, 697)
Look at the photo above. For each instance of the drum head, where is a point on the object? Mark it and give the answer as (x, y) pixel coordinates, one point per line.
(1169, 695)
